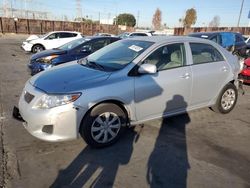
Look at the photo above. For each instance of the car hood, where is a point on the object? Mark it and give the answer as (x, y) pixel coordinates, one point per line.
(32, 37)
(46, 53)
(68, 78)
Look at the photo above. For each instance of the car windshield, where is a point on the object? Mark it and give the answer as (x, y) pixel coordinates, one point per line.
(73, 44)
(124, 35)
(41, 36)
(119, 54)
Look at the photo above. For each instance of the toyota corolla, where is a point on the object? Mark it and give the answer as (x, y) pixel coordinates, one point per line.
(128, 82)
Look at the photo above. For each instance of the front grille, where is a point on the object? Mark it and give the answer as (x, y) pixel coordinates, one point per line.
(28, 97)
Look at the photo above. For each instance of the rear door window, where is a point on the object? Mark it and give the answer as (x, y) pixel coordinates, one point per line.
(66, 35)
(205, 53)
(239, 39)
(96, 45)
(227, 39)
(52, 36)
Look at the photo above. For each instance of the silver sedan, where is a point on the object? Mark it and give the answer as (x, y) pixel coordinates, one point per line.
(128, 82)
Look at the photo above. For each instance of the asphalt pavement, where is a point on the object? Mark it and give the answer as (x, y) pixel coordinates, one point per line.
(197, 149)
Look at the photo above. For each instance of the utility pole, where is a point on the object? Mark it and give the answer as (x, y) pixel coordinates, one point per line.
(240, 13)
(108, 17)
(99, 17)
(79, 9)
(6, 8)
(25, 8)
(137, 21)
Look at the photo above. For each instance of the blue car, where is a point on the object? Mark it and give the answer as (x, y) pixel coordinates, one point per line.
(73, 50)
(225, 39)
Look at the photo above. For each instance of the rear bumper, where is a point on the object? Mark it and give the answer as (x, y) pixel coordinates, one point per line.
(244, 77)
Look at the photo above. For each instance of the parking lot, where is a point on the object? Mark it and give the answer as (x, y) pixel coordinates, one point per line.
(198, 149)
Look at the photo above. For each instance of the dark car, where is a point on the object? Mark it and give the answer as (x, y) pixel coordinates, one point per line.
(225, 39)
(73, 50)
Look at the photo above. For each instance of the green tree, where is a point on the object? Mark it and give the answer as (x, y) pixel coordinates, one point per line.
(126, 19)
(190, 18)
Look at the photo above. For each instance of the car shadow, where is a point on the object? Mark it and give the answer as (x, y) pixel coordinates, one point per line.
(168, 163)
(97, 167)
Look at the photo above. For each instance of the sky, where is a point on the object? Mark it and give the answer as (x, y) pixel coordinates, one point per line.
(172, 10)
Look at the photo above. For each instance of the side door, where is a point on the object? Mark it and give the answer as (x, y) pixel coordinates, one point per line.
(168, 90)
(52, 41)
(65, 37)
(209, 70)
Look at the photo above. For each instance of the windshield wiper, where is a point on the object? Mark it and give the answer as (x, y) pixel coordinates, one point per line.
(91, 63)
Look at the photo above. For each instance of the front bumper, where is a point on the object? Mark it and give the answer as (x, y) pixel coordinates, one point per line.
(27, 46)
(56, 124)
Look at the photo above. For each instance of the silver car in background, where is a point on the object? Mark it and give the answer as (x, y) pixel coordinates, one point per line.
(128, 82)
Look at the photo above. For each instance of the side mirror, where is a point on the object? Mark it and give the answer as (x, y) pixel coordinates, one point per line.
(147, 69)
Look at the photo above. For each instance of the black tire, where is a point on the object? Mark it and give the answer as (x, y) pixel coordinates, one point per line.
(37, 48)
(91, 128)
(221, 105)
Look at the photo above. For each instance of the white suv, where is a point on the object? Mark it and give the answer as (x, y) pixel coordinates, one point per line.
(49, 40)
(135, 34)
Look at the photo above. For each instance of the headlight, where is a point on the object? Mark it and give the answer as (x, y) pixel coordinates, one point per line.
(47, 59)
(50, 101)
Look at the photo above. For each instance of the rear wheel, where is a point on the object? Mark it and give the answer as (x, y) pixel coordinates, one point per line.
(103, 125)
(37, 48)
(227, 99)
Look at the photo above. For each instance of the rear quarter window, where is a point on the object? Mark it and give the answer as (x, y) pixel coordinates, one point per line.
(205, 53)
(67, 35)
(239, 39)
(138, 34)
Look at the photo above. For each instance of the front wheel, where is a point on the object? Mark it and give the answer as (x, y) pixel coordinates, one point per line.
(37, 48)
(103, 125)
(227, 99)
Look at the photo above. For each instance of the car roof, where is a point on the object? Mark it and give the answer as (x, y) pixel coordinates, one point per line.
(102, 37)
(65, 32)
(210, 33)
(164, 39)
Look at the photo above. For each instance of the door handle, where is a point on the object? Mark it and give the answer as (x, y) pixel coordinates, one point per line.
(224, 69)
(185, 76)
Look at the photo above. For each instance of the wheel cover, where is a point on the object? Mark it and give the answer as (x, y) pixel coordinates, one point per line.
(105, 127)
(228, 99)
(37, 49)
